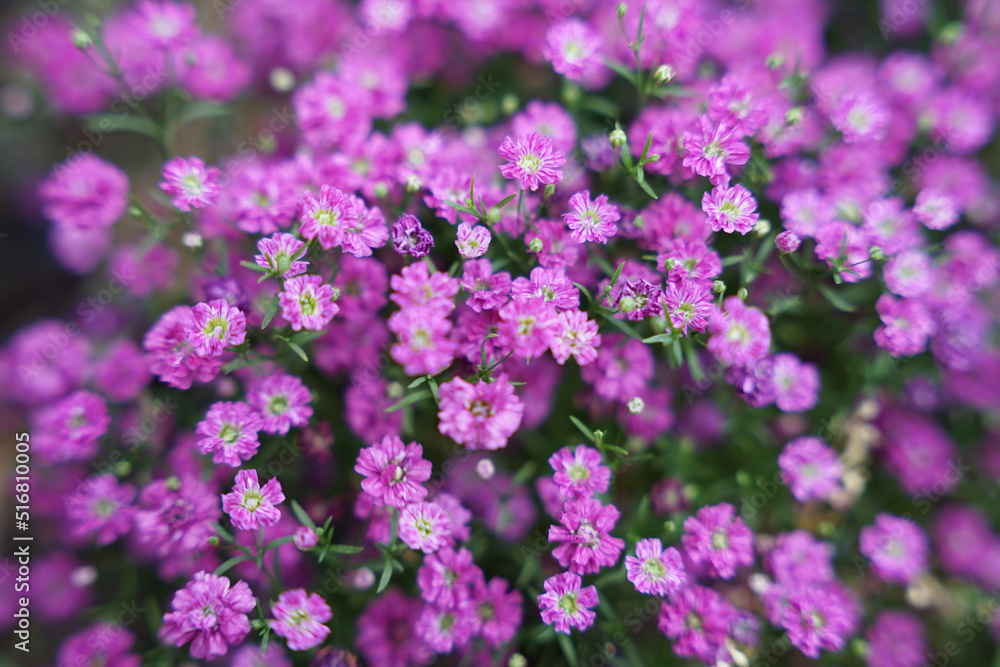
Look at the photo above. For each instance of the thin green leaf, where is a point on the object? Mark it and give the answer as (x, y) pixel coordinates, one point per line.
(622, 70)
(462, 208)
(274, 544)
(835, 299)
(586, 292)
(649, 191)
(225, 567)
(236, 364)
(263, 642)
(200, 111)
(734, 259)
(116, 122)
(583, 428)
(617, 274)
(664, 338)
(301, 515)
(506, 200)
(306, 337)
(435, 390)
(678, 353)
(294, 347)
(253, 267)
(523, 474)
(408, 400)
(386, 576)
(272, 310)
(416, 383)
(567, 648)
(623, 327)
(345, 549)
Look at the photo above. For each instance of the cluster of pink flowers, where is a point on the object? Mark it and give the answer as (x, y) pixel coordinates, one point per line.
(342, 346)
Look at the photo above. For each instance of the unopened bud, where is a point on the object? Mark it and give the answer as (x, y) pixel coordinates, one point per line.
(742, 294)
(876, 253)
(517, 660)
(787, 241)
(213, 540)
(485, 468)
(363, 579)
(775, 60)
(635, 405)
(763, 227)
(83, 576)
(192, 240)
(336, 294)
(381, 190)
(550, 190)
(509, 103)
(618, 138)
(622, 8)
(794, 115)
(536, 245)
(81, 39)
(719, 287)
(394, 390)
(281, 79)
(123, 468)
(664, 74)
(173, 483)
(414, 184)
(134, 211)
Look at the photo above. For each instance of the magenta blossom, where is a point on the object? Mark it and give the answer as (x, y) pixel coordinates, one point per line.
(190, 183)
(719, 539)
(210, 614)
(532, 160)
(251, 506)
(810, 468)
(307, 303)
(565, 605)
(215, 326)
(580, 473)
(300, 618)
(586, 543)
(229, 432)
(393, 472)
(591, 220)
(480, 416)
(655, 570)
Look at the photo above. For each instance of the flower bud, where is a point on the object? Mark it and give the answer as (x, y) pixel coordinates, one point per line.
(363, 579)
(775, 60)
(719, 287)
(762, 227)
(214, 540)
(305, 538)
(82, 40)
(794, 116)
(485, 468)
(517, 660)
(876, 253)
(742, 294)
(664, 74)
(173, 483)
(381, 190)
(622, 8)
(192, 240)
(509, 103)
(787, 241)
(414, 184)
(336, 294)
(394, 390)
(550, 190)
(635, 405)
(536, 245)
(281, 79)
(618, 138)
(123, 468)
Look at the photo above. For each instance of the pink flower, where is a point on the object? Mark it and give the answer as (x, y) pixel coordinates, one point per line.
(282, 401)
(499, 611)
(327, 217)
(730, 209)
(410, 238)
(580, 473)
(655, 571)
(861, 117)
(487, 290)
(480, 416)
(741, 335)
(591, 220)
(532, 160)
(810, 468)
(907, 325)
(820, 617)
(587, 544)
(367, 233)
(215, 326)
(472, 242)
(575, 335)
(688, 304)
(393, 472)
(307, 303)
(250, 506)
(101, 508)
(300, 618)
(190, 183)
(564, 604)
(446, 578)
(698, 619)
(416, 286)
(553, 284)
(936, 208)
(424, 526)
(573, 47)
(714, 537)
(84, 193)
(424, 347)
(637, 298)
(796, 384)
(708, 152)
(230, 431)
(897, 548)
(280, 254)
(209, 614)
(527, 325)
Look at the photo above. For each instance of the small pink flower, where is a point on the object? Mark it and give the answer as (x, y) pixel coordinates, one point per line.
(591, 220)
(249, 505)
(730, 209)
(585, 535)
(210, 614)
(532, 160)
(229, 430)
(564, 604)
(472, 242)
(280, 254)
(425, 527)
(480, 416)
(580, 473)
(708, 152)
(741, 335)
(527, 325)
(216, 325)
(190, 183)
(307, 303)
(394, 473)
(655, 570)
(328, 216)
(300, 619)
(576, 335)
